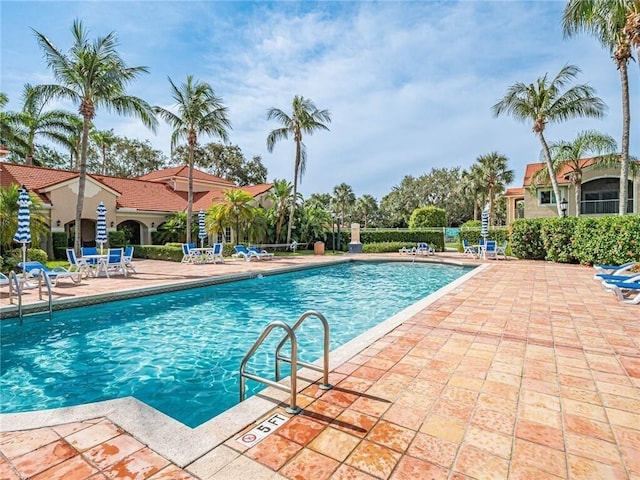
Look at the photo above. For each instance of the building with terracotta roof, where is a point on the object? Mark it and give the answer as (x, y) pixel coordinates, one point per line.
(140, 204)
(599, 195)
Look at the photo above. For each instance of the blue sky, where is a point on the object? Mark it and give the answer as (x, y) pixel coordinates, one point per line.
(409, 85)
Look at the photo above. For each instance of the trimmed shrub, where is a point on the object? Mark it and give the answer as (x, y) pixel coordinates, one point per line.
(158, 252)
(557, 237)
(385, 247)
(525, 239)
(610, 240)
(117, 239)
(425, 217)
(434, 237)
(59, 241)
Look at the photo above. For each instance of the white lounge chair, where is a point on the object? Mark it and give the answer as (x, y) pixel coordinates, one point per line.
(263, 254)
(243, 252)
(423, 248)
(469, 249)
(614, 269)
(33, 269)
(627, 292)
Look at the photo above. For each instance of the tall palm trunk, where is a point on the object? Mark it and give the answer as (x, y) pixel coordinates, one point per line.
(626, 121)
(475, 206)
(295, 191)
(490, 205)
(578, 186)
(82, 178)
(190, 189)
(552, 174)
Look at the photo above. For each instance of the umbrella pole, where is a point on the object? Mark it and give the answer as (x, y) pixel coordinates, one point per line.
(24, 256)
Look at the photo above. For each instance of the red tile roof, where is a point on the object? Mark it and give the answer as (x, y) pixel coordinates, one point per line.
(534, 168)
(183, 171)
(137, 193)
(514, 192)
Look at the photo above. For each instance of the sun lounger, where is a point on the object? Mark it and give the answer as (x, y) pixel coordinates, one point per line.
(615, 269)
(33, 269)
(243, 252)
(627, 292)
(263, 254)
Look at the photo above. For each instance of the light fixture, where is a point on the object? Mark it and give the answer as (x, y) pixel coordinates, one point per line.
(112, 224)
(153, 224)
(563, 207)
(58, 223)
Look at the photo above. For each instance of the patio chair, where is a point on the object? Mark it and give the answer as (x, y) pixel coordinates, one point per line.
(90, 251)
(502, 250)
(469, 249)
(263, 254)
(215, 253)
(33, 269)
(490, 250)
(423, 248)
(127, 257)
(243, 252)
(4, 280)
(115, 261)
(77, 264)
(627, 292)
(187, 255)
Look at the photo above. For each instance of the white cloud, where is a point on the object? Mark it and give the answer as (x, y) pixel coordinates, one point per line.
(409, 84)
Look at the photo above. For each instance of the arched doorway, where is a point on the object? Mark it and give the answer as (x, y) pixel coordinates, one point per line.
(87, 232)
(132, 232)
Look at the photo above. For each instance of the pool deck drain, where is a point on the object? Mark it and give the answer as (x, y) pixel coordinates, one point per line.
(522, 370)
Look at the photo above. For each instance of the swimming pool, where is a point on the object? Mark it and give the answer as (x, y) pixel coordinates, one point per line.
(180, 352)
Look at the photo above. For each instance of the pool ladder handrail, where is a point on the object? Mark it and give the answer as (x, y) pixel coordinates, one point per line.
(292, 408)
(14, 284)
(325, 361)
(293, 360)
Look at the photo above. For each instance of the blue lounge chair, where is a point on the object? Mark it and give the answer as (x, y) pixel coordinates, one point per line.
(423, 248)
(243, 252)
(263, 254)
(127, 257)
(627, 292)
(615, 269)
(33, 269)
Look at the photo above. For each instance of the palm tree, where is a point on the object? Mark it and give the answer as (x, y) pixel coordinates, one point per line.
(305, 118)
(606, 20)
(200, 111)
(544, 102)
(495, 175)
(570, 158)
(33, 121)
(280, 195)
(472, 183)
(92, 74)
(343, 199)
(366, 206)
(236, 210)
(103, 139)
(9, 217)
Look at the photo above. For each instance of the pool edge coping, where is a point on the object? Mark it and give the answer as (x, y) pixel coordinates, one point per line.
(168, 436)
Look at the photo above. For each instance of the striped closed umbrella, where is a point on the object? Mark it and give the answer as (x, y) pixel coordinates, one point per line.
(23, 234)
(484, 231)
(101, 226)
(202, 233)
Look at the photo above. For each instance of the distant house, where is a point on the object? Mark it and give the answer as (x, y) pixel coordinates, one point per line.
(600, 193)
(141, 204)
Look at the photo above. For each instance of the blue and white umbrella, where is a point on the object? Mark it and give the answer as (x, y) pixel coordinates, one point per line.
(202, 233)
(23, 234)
(101, 226)
(484, 231)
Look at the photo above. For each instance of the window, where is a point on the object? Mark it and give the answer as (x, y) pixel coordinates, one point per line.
(546, 197)
(227, 234)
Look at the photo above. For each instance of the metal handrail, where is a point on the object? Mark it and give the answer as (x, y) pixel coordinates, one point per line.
(325, 367)
(14, 283)
(293, 408)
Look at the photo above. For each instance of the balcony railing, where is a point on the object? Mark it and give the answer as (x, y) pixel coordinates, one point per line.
(604, 207)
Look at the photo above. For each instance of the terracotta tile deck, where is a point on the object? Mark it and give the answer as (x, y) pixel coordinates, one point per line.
(527, 371)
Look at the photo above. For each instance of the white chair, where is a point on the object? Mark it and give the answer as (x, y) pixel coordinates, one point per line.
(127, 257)
(469, 249)
(187, 255)
(215, 253)
(115, 261)
(502, 250)
(77, 264)
(263, 254)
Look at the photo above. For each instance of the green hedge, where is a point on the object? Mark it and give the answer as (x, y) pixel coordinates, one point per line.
(158, 252)
(410, 237)
(59, 241)
(526, 241)
(117, 239)
(610, 240)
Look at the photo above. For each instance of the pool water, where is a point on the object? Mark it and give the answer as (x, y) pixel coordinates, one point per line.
(180, 352)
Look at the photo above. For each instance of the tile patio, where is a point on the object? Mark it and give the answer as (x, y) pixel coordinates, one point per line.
(529, 370)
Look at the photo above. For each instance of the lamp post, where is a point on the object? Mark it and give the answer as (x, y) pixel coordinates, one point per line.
(339, 221)
(563, 207)
(333, 233)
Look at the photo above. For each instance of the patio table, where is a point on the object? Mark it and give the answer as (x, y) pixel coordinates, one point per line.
(101, 262)
(204, 254)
